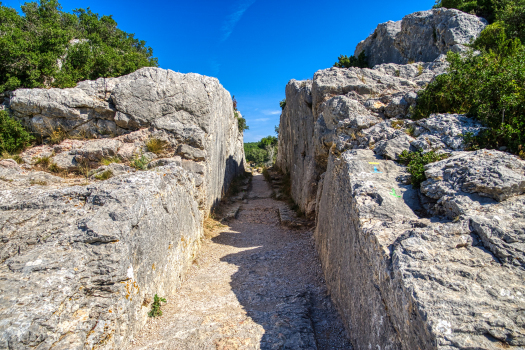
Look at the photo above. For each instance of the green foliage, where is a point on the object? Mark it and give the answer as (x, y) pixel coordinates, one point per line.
(416, 162)
(282, 104)
(104, 175)
(110, 160)
(156, 306)
(488, 87)
(255, 154)
(46, 47)
(360, 61)
(241, 123)
(481, 8)
(510, 12)
(139, 163)
(260, 152)
(156, 145)
(13, 136)
(268, 141)
(44, 161)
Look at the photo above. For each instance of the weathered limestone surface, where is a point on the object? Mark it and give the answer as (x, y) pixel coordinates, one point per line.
(194, 113)
(437, 267)
(404, 282)
(80, 265)
(80, 259)
(421, 36)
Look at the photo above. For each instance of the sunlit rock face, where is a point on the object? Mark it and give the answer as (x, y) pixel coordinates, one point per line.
(440, 266)
(81, 259)
(421, 37)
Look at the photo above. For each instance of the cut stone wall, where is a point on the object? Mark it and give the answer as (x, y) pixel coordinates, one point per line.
(440, 266)
(81, 259)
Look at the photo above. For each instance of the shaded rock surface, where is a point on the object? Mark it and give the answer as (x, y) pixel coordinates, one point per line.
(421, 36)
(437, 267)
(255, 284)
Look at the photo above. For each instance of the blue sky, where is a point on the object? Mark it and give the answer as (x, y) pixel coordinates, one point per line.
(253, 47)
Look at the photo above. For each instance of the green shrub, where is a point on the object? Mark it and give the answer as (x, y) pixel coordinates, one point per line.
(13, 136)
(241, 123)
(416, 162)
(282, 104)
(88, 46)
(481, 8)
(488, 87)
(260, 152)
(156, 306)
(52, 167)
(360, 61)
(139, 163)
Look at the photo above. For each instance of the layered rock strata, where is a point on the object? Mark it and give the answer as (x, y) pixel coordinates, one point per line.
(440, 266)
(81, 259)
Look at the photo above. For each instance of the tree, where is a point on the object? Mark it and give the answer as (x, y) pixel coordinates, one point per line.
(46, 47)
(360, 61)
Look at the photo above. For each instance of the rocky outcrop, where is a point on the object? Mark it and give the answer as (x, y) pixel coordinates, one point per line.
(402, 281)
(440, 266)
(193, 113)
(80, 265)
(81, 259)
(421, 37)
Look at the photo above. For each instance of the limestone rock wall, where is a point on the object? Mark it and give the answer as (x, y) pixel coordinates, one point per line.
(194, 111)
(440, 266)
(81, 259)
(421, 36)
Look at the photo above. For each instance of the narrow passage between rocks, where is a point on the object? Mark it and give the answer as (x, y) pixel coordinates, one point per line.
(255, 285)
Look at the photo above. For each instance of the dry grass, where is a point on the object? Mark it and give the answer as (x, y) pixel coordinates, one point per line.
(397, 124)
(156, 145)
(419, 70)
(110, 160)
(36, 182)
(15, 157)
(57, 135)
(211, 226)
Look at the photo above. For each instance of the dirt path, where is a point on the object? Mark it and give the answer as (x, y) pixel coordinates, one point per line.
(256, 285)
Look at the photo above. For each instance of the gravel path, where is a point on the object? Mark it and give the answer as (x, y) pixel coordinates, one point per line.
(255, 285)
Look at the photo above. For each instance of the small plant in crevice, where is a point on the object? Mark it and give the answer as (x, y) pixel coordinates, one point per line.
(397, 124)
(104, 175)
(241, 124)
(57, 135)
(53, 167)
(139, 163)
(156, 310)
(110, 160)
(43, 161)
(84, 168)
(282, 104)
(416, 161)
(419, 70)
(411, 130)
(156, 145)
